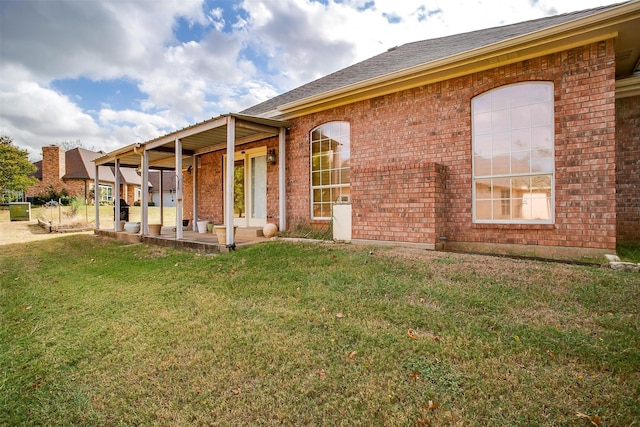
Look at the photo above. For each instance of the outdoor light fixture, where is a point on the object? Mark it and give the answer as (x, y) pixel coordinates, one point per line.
(271, 157)
(190, 169)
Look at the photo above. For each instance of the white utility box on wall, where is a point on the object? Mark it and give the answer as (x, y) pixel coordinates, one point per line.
(342, 221)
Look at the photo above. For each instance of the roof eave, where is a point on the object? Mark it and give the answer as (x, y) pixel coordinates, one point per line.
(628, 87)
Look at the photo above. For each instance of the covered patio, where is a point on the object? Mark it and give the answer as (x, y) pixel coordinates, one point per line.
(180, 152)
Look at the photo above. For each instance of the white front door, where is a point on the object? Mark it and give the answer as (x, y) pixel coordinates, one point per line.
(250, 188)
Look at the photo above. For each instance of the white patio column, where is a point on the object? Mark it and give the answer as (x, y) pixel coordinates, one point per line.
(144, 220)
(282, 176)
(116, 204)
(179, 201)
(161, 192)
(228, 202)
(194, 177)
(96, 193)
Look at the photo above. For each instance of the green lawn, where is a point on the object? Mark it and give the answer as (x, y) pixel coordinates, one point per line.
(93, 332)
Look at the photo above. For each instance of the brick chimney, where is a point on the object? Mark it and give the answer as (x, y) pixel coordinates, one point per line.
(53, 164)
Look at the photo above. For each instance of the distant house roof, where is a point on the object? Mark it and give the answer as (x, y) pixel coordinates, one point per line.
(79, 165)
(168, 180)
(128, 175)
(414, 54)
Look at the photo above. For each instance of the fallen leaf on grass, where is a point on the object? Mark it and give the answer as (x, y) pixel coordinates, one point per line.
(423, 423)
(411, 334)
(415, 375)
(432, 406)
(352, 355)
(551, 355)
(340, 315)
(236, 391)
(594, 419)
(321, 373)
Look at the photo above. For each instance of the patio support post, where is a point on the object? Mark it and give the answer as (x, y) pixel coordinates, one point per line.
(179, 199)
(116, 196)
(282, 176)
(194, 177)
(161, 198)
(228, 203)
(96, 197)
(144, 220)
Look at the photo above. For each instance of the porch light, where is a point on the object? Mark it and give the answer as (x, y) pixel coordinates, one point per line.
(271, 157)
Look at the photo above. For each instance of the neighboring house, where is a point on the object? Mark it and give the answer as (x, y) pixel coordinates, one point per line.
(74, 171)
(520, 139)
(165, 191)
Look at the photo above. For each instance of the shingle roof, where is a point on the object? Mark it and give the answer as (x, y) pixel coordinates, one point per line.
(168, 180)
(79, 165)
(417, 53)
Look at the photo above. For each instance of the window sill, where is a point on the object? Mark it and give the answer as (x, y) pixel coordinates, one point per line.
(513, 226)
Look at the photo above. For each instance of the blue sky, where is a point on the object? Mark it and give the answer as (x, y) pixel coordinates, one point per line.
(114, 72)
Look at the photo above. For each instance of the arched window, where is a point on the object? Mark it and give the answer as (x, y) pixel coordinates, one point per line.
(330, 160)
(513, 154)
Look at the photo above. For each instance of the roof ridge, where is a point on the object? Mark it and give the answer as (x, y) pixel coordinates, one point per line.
(519, 23)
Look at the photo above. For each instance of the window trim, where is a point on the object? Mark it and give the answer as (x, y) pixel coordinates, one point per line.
(109, 195)
(530, 174)
(328, 186)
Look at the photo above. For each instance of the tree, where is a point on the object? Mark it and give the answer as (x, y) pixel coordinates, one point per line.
(70, 145)
(15, 167)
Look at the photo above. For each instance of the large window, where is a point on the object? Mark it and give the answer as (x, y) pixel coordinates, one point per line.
(330, 159)
(513, 154)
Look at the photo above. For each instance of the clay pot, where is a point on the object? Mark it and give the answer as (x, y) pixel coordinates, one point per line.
(269, 230)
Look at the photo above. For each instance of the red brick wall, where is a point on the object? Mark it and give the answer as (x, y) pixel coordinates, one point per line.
(53, 168)
(628, 168)
(211, 190)
(53, 164)
(401, 201)
(432, 123)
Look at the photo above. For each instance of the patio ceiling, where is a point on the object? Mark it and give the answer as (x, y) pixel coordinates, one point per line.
(204, 137)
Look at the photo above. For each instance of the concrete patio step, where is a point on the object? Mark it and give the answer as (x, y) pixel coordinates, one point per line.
(249, 232)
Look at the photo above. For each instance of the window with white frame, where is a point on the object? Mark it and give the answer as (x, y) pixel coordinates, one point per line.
(106, 193)
(330, 167)
(513, 154)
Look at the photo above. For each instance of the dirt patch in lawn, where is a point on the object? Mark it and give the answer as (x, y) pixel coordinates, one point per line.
(28, 231)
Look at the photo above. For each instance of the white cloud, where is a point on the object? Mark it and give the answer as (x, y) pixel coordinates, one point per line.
(273, 46)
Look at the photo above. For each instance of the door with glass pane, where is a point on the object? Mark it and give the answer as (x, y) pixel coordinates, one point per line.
(250, 188)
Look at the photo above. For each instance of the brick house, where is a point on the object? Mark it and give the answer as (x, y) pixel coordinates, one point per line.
(520, 139)
(74, 171)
